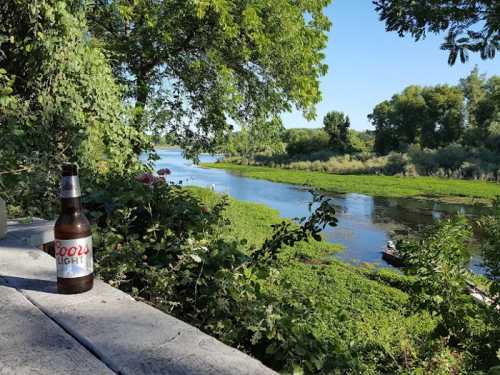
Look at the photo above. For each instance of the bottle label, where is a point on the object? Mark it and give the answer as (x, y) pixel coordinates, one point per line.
(74, 257)
(70, 187)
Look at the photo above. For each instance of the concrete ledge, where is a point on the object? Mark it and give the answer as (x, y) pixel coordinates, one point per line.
(129, 337)
(31, 343)
(35, 233)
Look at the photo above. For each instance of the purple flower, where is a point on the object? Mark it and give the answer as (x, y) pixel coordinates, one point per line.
(164, 172)
(146, 178)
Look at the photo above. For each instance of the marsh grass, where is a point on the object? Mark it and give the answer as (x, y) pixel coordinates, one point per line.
(450, 190)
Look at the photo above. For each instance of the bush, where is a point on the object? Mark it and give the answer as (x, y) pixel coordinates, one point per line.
(182, 250)
(451, 157)
(63, 104)
(439, 262)
(396, 164)
(163, 244)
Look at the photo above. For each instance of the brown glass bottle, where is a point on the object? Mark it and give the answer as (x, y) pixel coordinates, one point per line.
(72, 238)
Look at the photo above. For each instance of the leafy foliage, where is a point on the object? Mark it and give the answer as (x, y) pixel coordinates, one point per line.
(337, 125)
(195, 67)
(286, 234)
(161, 243)
(59, 103)
(286, 305)
(490, 248)
(430, 116)
(305, 141)
(472, 26)
(439, 262)
(258, 138)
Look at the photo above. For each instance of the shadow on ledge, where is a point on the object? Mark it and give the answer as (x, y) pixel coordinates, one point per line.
(37, 285)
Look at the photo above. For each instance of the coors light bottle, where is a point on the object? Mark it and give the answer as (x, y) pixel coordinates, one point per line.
(72, 238)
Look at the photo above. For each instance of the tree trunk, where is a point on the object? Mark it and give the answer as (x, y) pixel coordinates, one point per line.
(141, 97)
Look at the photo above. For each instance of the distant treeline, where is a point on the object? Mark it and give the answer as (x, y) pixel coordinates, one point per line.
(443, 130)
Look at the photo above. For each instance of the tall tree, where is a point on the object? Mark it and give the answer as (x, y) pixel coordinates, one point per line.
(474, 91)
(386, 138)
(430, 116)
(336, 125)
(255, 138)
(471, 25)
(488, 114)
(443, 121)
(207, 64)
(398, 121)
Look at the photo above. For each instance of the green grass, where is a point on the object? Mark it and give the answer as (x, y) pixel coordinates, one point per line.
(358, 316)
(451, 190)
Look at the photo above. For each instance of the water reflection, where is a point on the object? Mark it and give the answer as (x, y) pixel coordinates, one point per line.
(365, 223)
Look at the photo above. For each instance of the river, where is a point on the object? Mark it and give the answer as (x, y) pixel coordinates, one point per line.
(365, 223)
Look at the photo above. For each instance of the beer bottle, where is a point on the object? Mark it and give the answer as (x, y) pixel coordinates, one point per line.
(72, 238)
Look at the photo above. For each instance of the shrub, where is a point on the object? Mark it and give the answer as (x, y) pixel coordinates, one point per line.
(161, 243)
(439, 262)
(396, 164)
(63, 105)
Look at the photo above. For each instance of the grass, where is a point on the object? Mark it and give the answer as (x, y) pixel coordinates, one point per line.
(354, 314)
(449, 190)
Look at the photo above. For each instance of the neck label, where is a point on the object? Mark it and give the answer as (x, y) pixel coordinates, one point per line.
(70, 187)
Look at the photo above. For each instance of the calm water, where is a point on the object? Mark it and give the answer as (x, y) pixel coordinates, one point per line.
(365, 223)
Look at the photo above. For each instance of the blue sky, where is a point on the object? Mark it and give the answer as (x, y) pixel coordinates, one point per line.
(368, 65)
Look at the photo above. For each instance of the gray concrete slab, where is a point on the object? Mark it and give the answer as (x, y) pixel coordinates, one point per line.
(130, 337)
(31, 343)
(33, 231)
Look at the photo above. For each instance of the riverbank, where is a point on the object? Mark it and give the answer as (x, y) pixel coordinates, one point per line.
(166, 146)
(326, 315)
(444, 190)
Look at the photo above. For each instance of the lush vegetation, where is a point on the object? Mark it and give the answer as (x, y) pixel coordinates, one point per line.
(194, 67)
(434, 117)
(96, 83)
(59, 102)
(390, 186)
(91, 82)
(443, 131)
(470, 26)
(277, 297)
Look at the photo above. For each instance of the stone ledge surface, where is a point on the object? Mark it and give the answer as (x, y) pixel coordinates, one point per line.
(31, 343)
(128, 336)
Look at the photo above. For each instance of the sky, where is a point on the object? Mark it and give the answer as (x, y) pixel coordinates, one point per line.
(368, 65)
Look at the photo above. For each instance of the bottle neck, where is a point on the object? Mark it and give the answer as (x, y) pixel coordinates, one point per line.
(71, 205)
(70, 192)
(70, 186)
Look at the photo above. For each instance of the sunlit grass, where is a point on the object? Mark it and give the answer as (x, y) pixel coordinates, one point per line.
(465, 191)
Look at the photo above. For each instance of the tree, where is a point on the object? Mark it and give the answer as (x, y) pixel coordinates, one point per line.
(430, 116)
(304, 142)
(259, 137)
(59, 103)
(473, 89)
(443, 121)
(488, 114)
(439, 261)
(386, 138)
(336, 125)
(212, 63)
(471, 25)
